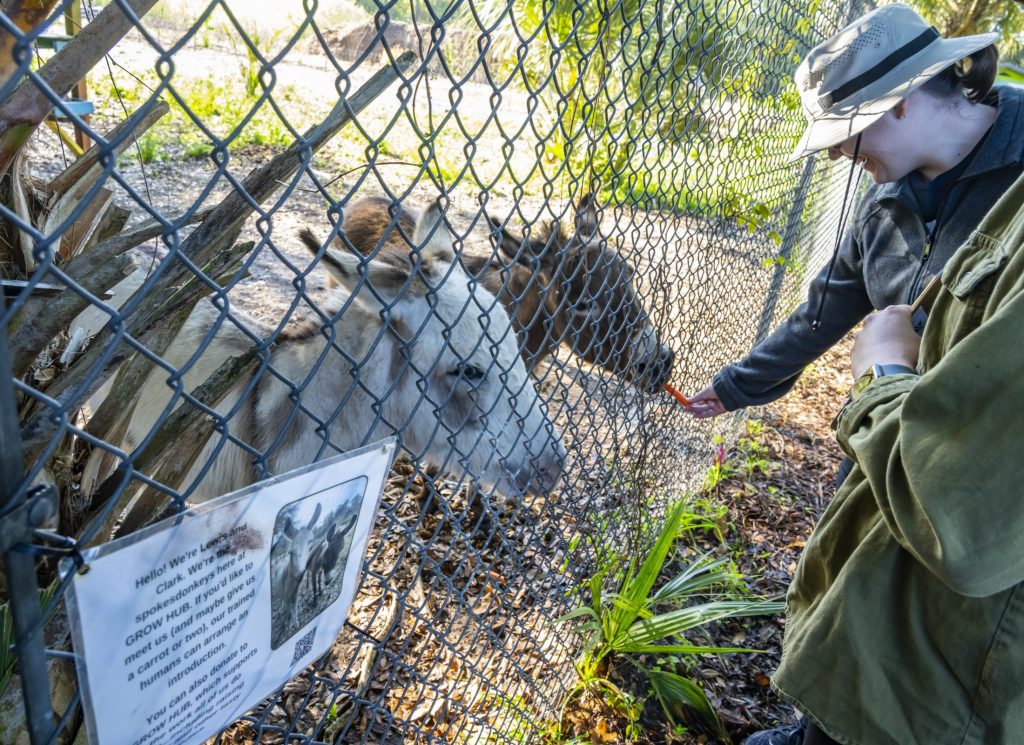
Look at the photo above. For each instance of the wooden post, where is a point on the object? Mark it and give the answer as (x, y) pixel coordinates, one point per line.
(73, 24)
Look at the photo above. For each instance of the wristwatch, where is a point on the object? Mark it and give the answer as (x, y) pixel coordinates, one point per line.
(877, 371)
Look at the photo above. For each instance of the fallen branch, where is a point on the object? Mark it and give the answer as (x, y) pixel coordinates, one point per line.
(171, 452)
(41, 319)
(124, 394)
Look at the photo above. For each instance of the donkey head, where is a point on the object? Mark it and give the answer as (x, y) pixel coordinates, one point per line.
(458, 389)
(592, 303)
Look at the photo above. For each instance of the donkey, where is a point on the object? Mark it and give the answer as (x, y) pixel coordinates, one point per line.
(408, 344)
(559, 288)
(323, 557)
(293, 549)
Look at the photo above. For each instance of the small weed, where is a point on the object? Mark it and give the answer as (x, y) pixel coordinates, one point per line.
(706, 516)
(749, 457)
(573, 543)
(520, 721)
(198, 150)
(261, 46)
(148, 148)
(753, 451)
(721, 469)
(8, 659)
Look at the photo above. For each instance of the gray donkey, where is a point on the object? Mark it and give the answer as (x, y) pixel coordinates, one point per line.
(408, 344)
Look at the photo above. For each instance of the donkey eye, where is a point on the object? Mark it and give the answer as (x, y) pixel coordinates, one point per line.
(469, 372)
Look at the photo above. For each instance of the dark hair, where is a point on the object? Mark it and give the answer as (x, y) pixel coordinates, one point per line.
(975, 78)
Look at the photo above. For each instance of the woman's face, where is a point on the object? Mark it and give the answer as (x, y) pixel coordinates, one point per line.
(889, 147)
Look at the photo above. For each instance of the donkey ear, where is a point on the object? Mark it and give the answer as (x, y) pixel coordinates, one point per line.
(433, 240)
(588, 218)
(506, 243)
(316, 516)
(515, 248)
(347, 269)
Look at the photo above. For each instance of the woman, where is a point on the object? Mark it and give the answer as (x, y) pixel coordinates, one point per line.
(919, 114)
(905, 618)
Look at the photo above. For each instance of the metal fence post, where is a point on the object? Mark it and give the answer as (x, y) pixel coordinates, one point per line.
(789, 236)
(21, 515)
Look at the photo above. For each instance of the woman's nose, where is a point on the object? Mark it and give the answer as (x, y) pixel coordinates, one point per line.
(834, 153)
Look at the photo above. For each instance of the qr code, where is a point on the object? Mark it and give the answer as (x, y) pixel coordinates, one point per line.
(303, 645)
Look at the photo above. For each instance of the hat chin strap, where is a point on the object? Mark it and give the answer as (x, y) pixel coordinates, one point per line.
(844, 213)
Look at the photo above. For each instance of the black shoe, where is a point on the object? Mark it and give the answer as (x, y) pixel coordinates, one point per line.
(791, 735)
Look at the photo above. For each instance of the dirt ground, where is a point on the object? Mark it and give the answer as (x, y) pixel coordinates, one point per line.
(772, 515)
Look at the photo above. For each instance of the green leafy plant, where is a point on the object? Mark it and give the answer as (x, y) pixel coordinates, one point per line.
(636, 619)
(8, 659)
(757, 216)
(705, 516)
(723, 69)
(260, 45)
(149, 148)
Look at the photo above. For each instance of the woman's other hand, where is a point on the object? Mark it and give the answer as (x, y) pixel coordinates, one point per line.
(888, 338)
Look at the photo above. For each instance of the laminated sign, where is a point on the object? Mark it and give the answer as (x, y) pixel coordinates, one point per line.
(183, 627)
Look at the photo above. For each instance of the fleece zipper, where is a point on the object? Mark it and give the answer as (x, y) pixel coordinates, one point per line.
(929, 243)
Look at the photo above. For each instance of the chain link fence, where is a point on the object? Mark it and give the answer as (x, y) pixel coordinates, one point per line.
(521, 220)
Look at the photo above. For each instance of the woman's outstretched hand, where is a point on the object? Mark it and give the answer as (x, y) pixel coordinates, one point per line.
(705, 404)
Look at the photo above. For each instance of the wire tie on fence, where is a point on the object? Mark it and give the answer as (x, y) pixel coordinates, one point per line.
(81, 565)
(48, 536)
(65, 546)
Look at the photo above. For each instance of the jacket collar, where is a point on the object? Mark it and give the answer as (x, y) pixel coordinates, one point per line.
(1003, 145)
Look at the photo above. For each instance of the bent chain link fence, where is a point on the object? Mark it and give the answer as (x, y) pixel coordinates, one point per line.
(614, 172)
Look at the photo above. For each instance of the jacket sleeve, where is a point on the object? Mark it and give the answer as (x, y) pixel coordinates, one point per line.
(774, 365)
(942, 453)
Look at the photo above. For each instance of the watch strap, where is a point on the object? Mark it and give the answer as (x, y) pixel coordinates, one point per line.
(875, 372)
(882, 370)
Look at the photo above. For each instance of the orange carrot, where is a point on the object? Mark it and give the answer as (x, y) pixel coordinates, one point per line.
(677, 395)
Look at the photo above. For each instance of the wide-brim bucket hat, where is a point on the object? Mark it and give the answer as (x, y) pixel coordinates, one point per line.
(850, 81)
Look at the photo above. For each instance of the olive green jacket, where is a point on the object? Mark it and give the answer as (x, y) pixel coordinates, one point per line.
(906, 616)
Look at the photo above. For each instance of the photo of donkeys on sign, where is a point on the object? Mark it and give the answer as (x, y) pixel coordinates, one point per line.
(312, 540)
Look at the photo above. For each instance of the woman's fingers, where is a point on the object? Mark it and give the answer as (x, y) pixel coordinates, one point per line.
(705, 404)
